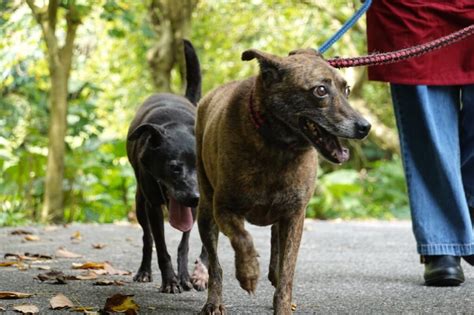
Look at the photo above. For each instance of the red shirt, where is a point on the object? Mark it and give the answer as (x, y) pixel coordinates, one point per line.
(398, 24)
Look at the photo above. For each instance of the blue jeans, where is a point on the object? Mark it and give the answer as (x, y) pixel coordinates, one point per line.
(436, 129)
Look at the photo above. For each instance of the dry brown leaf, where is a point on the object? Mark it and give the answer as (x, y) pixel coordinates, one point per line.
(109, 282)
(90, 275)
(60, 301)
(89, 265)
(98, 245)
(58, 277)
(121, 304)
(14, 295)
(26, 309)
(61, 252)
(31, 238)
(8, 263)
(82, 309)
(112, 271)
(43, 268)
(76, 236)
(20, 232)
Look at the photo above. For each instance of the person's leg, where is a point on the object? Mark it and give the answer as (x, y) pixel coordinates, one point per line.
(428, 123)
(467, 142)
(467, 150)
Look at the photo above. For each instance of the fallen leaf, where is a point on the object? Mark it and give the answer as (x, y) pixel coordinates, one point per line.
(2, 309)
(76, 236)
(82, 309)
(58, 277)
(8, 263)
(98, 245)
(20, 232)
(91, 275)
(122, 304)
(61, 252)
(26, 309)
(31, 238)
(43, 268)
(89, 265)
(14, 295)
(60, 301)
(109, 282)
(50, 228)
(112, 271)
(293, 307)
(27, 256)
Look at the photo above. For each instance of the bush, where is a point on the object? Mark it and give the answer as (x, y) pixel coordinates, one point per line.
(376, 192)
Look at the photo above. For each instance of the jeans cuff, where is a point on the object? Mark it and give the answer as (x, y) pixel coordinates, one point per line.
(446, 249)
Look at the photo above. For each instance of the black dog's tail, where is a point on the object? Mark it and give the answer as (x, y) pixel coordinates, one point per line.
(193, 73)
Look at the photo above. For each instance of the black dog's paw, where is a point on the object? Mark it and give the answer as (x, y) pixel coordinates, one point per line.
(171, 286)
(143, 276)
(185, 282)
(200, 276)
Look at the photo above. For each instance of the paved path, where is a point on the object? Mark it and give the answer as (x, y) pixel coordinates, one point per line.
(345, 267)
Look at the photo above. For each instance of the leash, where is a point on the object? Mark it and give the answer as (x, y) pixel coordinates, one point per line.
(402, 54)
(346, 26)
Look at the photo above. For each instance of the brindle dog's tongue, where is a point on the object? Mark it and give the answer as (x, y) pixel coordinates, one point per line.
(180, 217)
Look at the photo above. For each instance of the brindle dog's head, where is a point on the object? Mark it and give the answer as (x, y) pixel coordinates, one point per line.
(305, 92)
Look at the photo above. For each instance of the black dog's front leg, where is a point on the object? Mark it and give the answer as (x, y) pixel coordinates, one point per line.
(144, 272)
(169, 280)
(183, 274)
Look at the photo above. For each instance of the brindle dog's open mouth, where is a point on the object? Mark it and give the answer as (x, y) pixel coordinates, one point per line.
(327, 144)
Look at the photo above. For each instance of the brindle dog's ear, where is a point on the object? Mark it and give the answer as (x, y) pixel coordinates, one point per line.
(270, 65)
(306, 51)
(155, 132)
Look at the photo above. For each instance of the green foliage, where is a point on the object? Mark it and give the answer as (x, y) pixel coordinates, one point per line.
(375, 192)
(110, 78)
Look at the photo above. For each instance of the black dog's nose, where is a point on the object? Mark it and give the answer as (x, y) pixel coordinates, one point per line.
(362, 128)
(193, 201)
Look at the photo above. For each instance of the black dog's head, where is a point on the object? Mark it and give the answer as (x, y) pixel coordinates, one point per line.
(306, 93)
(168, 155)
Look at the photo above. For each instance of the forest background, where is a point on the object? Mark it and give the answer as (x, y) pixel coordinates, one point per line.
(73, 72)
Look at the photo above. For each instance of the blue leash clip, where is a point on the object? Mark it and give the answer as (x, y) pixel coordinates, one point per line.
(346, 26)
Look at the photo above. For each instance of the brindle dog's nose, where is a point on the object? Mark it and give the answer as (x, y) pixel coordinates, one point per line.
(362, 128)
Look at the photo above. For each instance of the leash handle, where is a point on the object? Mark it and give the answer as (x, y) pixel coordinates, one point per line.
(346, 26)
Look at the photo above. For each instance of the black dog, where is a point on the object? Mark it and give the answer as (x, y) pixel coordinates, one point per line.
(161, 149)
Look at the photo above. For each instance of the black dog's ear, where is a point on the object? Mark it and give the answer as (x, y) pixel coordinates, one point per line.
(306, 51)
(155, 131)
(270, 65)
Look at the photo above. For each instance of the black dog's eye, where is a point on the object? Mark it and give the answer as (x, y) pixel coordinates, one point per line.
(320, 91)
(347, 91)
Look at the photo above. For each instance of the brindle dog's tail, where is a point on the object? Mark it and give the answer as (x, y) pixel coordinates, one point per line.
(193, 73)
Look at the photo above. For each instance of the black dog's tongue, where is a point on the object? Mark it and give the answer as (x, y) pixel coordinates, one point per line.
(181, 217)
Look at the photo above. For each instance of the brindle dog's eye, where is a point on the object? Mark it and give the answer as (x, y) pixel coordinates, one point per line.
(347, 91)
(321, 91)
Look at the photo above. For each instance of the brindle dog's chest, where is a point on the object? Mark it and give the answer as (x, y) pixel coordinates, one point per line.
(269, 190)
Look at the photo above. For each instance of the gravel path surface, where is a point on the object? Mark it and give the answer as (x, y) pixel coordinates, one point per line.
(343, 268)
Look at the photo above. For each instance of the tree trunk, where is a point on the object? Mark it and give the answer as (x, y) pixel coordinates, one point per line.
(171, 21)
(53, 195)
(59, 62)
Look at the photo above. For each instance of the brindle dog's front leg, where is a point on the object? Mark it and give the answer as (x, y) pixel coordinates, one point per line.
(247, 269)
(289, 232)
(273, 267)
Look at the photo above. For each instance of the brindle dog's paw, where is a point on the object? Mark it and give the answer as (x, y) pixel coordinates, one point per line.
(170, 286)
(273, 277)
(200, 276)
(143, 276)
(213, 309)
(247, 272)
(185, 282)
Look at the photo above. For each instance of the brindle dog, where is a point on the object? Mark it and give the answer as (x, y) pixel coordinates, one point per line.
(257, 161)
